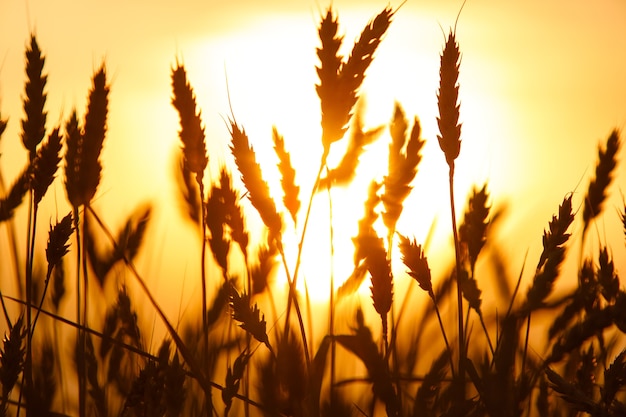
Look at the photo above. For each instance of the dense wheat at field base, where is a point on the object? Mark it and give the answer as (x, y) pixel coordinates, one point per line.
(375, 279)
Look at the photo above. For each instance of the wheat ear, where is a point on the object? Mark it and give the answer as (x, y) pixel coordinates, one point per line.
(191, 130)
(82, 159)
(596, 193)
(404, 157)
(45, 165)
(251, 319)
(413, 257)
(551, 257)
(3, 125)
(379, 267)
(34, 123)
(12, 356)
(358, 140)
(15, 196)
(56, 249)
(252, 177)
(291, 191)
(340, 81)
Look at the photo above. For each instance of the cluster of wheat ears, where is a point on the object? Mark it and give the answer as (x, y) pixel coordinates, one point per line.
(96, 363)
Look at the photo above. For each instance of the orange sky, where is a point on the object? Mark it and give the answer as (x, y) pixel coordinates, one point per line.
(541, 84)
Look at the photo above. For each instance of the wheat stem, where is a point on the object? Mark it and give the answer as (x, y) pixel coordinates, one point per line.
(457, 254)
(331, 298)
(293, 281)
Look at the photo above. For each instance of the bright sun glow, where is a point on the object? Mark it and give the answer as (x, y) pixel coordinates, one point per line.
(281, 92)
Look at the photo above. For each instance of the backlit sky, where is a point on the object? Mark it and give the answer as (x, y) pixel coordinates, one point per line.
(542, 83)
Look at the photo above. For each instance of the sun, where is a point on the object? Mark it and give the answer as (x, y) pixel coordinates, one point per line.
(281, 93)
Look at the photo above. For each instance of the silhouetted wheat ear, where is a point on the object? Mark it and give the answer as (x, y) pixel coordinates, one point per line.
(583, 298)
(359, 138)
(366, 223)
(573, 395)
(595, 321)
(96, 391)
(34, 124)
(40, 398)
(328, 73)
(82, 159)
(234, 213)
(188, 192)
(233, 379)
(12, 357)
(413, 258)
(596, 193)
(447, 101)
(175, 387)
(284, 383)
(57, 241)
(291, 191)
(133, 234)
(191, 130)
(427, 393)
(340, 81)
(473, 230)
(252, 178)
(470, 290)
(607, 278)
(251, 319)
(614, 380)
(14, 198)
(379, 268)
(363, 346)
(45, 165)
(215, 221)
(404, 157)
(3, 125)
(552, 255)
(261, 273)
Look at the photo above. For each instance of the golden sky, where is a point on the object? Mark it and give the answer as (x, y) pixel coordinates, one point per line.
(542, 83)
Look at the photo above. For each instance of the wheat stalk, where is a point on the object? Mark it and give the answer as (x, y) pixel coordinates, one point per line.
(450, 143)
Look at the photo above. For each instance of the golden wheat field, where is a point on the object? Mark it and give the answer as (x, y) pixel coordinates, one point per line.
(297, 209)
